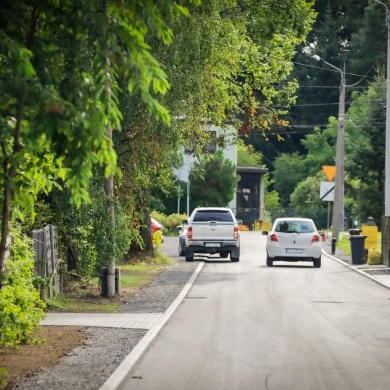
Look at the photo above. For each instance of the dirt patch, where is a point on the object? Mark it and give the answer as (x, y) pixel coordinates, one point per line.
(56, 342)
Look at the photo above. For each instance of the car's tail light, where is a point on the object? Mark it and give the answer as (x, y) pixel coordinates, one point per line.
(189, 232)
(235, 233)
(273, 237)
(315, 238)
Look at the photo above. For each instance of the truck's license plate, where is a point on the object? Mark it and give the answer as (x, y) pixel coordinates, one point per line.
(294, 251)
(213, 244)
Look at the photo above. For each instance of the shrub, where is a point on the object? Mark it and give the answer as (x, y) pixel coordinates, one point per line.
(374, 257)
(21, 308)
(170, 222)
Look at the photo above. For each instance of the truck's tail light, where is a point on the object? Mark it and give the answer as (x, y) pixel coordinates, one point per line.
(274, 237)
(236, 233)
(189, 232)
(315, 238)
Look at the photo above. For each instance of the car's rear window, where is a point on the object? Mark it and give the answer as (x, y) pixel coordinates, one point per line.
(295, 226)
(213, 215)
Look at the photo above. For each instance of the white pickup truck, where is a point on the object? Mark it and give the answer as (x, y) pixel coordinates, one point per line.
(211, 230)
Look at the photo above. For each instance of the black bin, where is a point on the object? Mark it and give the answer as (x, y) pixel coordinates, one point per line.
(357, 249)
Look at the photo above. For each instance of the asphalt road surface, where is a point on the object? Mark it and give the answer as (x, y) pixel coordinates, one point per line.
(246, 326)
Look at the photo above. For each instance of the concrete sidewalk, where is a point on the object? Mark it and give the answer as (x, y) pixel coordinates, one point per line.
(105, 320)
(119, 320)
(378, 273)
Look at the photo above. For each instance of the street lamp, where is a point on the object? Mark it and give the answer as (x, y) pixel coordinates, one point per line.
(387, 146)
(338, 203)
(196, 163)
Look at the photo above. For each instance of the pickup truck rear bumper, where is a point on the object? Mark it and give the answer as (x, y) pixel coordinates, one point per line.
(204, 247)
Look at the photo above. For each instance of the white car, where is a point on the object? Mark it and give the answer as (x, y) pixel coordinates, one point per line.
(293, 239)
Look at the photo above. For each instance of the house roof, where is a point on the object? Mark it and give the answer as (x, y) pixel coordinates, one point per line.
(261, 171)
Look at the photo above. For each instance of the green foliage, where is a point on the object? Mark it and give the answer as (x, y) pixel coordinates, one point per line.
(247, 156)
(320, 148)
(289, 170)
(73, 73)
(89, 232)
(21, 309)
(62, 69)
(307, 192)
(170, 222)
(213, 182)
(271, 197)
(3, 377)
(365, 151)
(157, 238)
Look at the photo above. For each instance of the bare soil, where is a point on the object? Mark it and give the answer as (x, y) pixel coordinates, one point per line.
(54, 342)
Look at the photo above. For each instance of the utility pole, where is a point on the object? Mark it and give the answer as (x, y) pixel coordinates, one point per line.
(338, 203)
(338, 206)
(387, 145)
(110, 195)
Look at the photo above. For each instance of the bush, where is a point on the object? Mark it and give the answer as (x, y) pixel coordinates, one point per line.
(21, 308)
(170, 222)
(374, 257)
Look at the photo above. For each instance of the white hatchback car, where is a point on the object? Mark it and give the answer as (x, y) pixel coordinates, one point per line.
(293, 239)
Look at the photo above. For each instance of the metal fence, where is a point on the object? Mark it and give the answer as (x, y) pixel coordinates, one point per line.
(250, 216)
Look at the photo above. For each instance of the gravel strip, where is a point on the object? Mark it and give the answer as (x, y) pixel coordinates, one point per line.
(88, 367)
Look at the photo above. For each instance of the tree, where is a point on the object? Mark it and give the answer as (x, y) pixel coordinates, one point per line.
(365, 150)
(214, 73)
(306, 193)
(213, 182)
(60, 64)
(247, 156)
(320, 148)
(289, 171)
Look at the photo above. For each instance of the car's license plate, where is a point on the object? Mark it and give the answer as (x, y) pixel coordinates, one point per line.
(294, 251)
(213, 244)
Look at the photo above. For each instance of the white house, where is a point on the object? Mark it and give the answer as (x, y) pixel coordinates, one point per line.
(230, 152)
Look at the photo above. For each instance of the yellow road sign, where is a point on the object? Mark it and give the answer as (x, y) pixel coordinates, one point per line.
(330, 171)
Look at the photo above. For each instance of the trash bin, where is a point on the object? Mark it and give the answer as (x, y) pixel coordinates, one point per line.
(354, 232)
(357, 249)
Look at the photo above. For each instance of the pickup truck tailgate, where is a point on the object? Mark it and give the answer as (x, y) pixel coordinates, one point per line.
(213, 231)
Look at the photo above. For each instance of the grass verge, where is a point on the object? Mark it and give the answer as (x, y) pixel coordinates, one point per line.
(86, 296)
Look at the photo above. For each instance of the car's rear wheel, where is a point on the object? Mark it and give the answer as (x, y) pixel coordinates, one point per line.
(189, 255)
(317, 262)
(182, 250)
(223, 255)
(234, 259)
(270, 262)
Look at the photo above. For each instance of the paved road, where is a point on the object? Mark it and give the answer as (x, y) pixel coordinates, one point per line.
(245, 326)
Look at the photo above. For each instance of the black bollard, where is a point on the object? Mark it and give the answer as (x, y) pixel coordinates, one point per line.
(333, 246)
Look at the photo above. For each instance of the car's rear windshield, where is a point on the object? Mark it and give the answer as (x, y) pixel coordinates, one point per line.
(213, 215)
(295, 226)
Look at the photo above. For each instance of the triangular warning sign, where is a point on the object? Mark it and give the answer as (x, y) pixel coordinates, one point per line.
(330, 171)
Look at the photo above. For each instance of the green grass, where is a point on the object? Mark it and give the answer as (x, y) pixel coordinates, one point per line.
(77, 304)
(139, 275)
(86, 297)
(344, 243)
